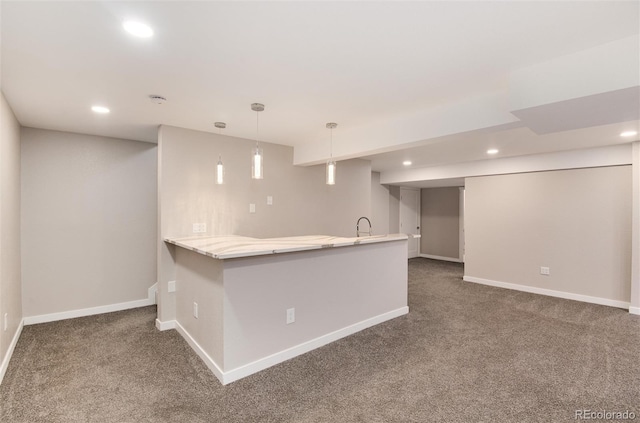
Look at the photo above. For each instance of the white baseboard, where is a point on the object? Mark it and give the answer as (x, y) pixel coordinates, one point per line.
(208, 361)
(44, 318)
(7, 357)
(152, 293)
(549, 292)
(171, 324)
(289, 353)
(634, 310)
(279, 357)
(430, 256)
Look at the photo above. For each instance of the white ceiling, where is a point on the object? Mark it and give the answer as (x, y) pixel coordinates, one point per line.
(355, 63)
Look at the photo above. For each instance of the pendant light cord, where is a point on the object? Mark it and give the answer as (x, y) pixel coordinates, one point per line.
(331, 145)
(257, 127)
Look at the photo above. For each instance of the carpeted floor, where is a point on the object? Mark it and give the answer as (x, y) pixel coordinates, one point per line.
(464, 353)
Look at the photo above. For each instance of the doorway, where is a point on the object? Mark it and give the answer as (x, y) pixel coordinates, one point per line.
(410, 218)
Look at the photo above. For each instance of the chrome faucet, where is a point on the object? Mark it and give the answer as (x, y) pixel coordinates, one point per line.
(358, 227)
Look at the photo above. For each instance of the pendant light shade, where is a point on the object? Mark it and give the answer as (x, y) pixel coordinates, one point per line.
(331, 173)
(331, 164)
(220, 166)
(256, 163)
(220, 172)
(257, 157)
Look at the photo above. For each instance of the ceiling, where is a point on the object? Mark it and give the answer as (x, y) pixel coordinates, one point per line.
(360, 64)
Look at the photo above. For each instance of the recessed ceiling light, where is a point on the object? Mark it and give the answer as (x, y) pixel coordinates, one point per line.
(628, 133)
(407, 163)
(138, 29)
(492, 151)
(100, 109)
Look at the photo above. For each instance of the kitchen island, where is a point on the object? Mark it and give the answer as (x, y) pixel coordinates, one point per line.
(245, 304)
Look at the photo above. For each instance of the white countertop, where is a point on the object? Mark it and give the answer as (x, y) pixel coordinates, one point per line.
(226, 247)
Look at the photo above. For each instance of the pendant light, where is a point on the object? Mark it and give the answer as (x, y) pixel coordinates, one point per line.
(220, 166)
(331, 165)
(256, 154)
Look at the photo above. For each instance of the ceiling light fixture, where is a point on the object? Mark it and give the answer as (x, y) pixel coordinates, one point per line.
(257, 156)
(137, 29)
(331, 164)
(492, 151)
(220, 166)
(157, 99)
(407, 163)
(100, 109)
(629, 133)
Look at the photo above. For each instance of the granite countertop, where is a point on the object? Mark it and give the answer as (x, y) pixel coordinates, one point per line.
(227, 247)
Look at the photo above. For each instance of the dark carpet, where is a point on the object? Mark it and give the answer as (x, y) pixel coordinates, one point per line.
(464, 353)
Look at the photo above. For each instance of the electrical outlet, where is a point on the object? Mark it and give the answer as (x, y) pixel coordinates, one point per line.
(545, 271)
(252, 208)
(195, 309)
(199, 228)
(171, 287)
(269, 200)
(291, 315)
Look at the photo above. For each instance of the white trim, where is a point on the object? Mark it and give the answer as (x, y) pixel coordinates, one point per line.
(284, 355)
(430, 256)
(635, 227)
(549, 292)
(208, 361)
(634, 310)
(7, 357)
(279, 357)
(152, 293)
(461, 199)
(171, 324)
(44, 318)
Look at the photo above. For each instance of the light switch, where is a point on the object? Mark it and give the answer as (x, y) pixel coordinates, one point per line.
(269, 200)
(252, 208)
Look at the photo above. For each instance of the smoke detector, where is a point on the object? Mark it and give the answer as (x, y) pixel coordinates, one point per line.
(157, 99)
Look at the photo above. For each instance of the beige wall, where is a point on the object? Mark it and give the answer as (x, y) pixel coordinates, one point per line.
(635, 232)
(394, 209)
(331, 290)
(380, 199)
(242, 302)
(302, 203)
(10, 277)
(440, 222)
(88, 221)
(576, 222)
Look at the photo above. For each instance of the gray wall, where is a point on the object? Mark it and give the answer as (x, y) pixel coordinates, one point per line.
(88, 221)
(10, 277)
(380, 198)
(440, 222)
(394, 209)
(302, 203)
(577, 222)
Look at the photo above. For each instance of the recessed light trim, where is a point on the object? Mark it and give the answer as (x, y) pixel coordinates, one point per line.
(492, 151)
(100, 109)
(138, 29)
(628, 133)
(407, 163)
